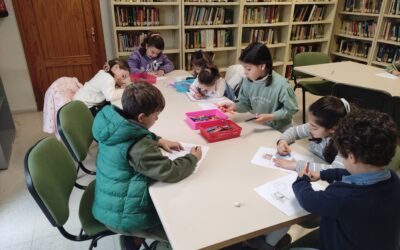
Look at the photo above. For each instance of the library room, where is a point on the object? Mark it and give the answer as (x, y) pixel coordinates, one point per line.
(199, 124)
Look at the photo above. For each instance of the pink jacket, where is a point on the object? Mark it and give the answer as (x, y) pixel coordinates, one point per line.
(60, 92)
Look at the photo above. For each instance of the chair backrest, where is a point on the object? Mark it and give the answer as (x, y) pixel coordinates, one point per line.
(234, 75)
(363, 97)
(74, 121)
(50, 175)
(308, 58)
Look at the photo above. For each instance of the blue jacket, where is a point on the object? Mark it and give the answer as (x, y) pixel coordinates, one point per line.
(353, 216)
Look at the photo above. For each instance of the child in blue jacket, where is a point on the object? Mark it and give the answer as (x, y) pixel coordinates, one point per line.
(360, 209)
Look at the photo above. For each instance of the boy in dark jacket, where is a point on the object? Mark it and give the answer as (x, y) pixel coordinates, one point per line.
(129, 159)
(360, 209)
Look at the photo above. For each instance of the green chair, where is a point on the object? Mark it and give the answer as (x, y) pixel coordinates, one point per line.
(50, 176)
(315, 87)
(74, 121)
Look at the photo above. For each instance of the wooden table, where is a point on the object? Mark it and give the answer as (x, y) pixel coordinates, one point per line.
(353, 73)
(199, 212)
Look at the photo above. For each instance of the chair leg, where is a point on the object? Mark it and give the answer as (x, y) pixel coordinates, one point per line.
(84, 169)
(304, 105)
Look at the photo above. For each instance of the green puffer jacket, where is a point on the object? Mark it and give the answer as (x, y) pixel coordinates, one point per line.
(122, 199)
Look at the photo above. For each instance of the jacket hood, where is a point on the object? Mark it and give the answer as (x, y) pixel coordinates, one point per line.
(111, 128)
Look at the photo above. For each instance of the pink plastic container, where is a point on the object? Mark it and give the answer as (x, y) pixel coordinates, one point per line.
(143, 76)
(204, 113)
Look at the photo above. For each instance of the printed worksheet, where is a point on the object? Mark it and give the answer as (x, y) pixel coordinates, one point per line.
(213, 105)
(264, 156)
(190, 95)
(387, 75)
(186, 149)
(280, 194)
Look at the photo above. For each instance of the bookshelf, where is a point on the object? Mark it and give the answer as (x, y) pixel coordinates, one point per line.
(226, 27)
(387, 49)
(356, 30)
(131, 20)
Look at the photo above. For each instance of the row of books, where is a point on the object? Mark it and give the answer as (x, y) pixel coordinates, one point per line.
(129, 41)
(208, 15)
(308, 13)
(288, 71)
(366, 28)
(258, 15)
(136, 16)
(394, 7)
(265, 35)
(388, 53)
(296, 49)
(391, 31)
(364, 6)
(307, 32)
(353, 48)
(208, 38)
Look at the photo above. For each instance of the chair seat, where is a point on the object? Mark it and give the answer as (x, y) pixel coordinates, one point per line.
(89, 224)
(320, 88)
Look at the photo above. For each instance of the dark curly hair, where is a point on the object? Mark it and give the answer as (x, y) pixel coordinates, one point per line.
(141, 98)
(152, 40)
(367, 134)
(208, 75)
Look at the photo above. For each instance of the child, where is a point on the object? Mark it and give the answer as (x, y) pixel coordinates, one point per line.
(199, 59)
(263, 91)
(129, 159)
(360, 208)
(106, 86)
(324, 115)
(149, 57)
(209, 83)
(394, 68)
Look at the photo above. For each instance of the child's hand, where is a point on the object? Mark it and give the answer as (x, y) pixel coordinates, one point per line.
(198, 93)
(262, 118)
(396, 72)
(283, 147)
(160, 72)
(170, 145)
(315, 176)
(305, 171)
(227, 107)
(286, 164)
(196, 151)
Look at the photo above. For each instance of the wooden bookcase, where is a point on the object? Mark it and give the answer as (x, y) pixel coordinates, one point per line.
(377, 18)
(287, 27)
(132, 19)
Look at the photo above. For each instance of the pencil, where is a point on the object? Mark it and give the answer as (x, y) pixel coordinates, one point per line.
(250, 119)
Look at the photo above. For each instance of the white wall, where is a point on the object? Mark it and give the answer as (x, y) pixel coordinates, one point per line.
(13, 67)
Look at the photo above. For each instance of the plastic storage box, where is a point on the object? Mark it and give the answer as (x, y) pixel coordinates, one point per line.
(211, 135)
(204, 113)
(143, 76)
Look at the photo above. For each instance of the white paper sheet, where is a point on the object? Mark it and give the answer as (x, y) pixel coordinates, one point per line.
(205, 99)
(280, 194)
(264, 155)
(213, 105)
(387, 75)
(186, 149)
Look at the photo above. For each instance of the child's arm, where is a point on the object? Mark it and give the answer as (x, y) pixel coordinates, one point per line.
(295, 133)
(110, 92)
(394, 68)
(324, 203)
(244, 104)
(146, 158)
(333, 174)
(318, 167)
(134, 62)
(289, 101)
(167, 66)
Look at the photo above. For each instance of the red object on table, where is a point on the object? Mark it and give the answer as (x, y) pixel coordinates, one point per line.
(143, 77)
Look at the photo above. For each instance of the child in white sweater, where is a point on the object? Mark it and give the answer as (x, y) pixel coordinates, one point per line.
(106, 86)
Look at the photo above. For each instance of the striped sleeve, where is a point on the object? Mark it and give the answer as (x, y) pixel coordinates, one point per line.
(295, 133)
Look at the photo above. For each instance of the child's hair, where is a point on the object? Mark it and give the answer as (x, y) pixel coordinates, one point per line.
(328, 111)
(208, 75)
(151, 40)
(123, 64)
(200, 58)
(141, 98)
(256, 54)
(369, 135)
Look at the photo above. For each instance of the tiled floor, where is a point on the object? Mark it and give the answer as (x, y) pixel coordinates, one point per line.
(22, 224)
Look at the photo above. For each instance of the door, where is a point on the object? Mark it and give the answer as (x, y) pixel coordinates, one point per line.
(60, 38)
